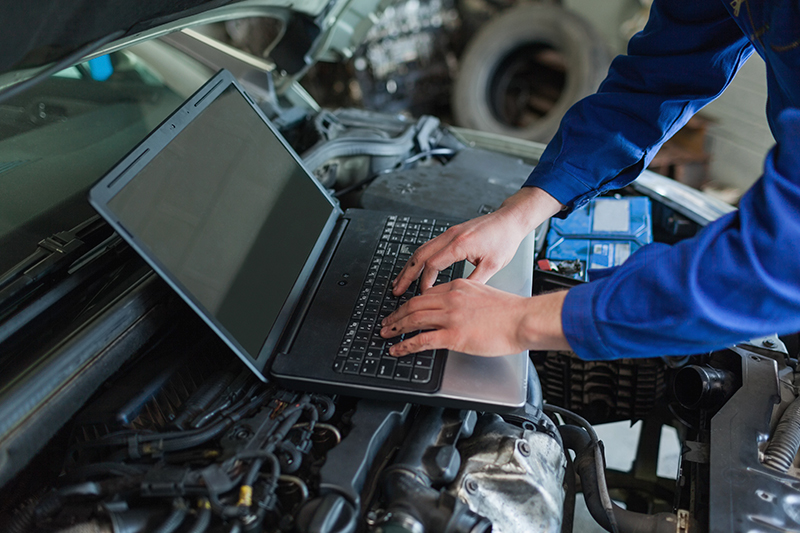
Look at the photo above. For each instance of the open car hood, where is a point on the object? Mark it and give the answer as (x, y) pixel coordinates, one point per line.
(38, 34)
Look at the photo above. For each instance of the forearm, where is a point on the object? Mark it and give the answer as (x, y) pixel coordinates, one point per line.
(736, 280)
(529, 207)
(540, 326)
(685, 57)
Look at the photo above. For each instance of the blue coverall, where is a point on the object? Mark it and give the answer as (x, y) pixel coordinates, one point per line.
(739, 278)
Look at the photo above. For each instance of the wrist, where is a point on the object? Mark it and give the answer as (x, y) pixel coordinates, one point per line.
(530, 206)
(540, 325)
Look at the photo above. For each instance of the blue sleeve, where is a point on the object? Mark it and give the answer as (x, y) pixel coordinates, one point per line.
(738, 279)
(687, 54)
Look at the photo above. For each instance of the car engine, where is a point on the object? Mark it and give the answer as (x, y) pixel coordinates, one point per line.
(161, 429)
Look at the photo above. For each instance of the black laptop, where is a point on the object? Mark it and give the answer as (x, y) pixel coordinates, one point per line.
(222, 208)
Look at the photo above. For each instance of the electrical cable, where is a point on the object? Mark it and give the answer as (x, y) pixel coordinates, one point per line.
(400, 166)
(548, 407)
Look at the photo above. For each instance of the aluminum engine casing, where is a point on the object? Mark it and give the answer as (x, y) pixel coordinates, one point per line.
(512, 476)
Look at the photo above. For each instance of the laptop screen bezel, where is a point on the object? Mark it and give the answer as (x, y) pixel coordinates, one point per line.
(126, 170)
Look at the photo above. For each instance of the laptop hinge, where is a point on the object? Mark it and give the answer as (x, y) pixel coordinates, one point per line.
(289, 334)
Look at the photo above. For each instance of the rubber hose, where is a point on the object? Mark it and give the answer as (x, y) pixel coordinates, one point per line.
(785, 442)
(202, 522)
(173, 521)
(202, 399)
(578, 440)
(347, 147)
(568, 518)
(197, 439)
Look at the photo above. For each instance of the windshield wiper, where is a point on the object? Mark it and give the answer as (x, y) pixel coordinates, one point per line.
(52, 260)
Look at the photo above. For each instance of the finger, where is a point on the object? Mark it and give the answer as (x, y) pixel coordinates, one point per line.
(439, 289)
(414, 305)
(438, 262)
(411, 270)
(420, 320)
(427, 340)
(484, 271)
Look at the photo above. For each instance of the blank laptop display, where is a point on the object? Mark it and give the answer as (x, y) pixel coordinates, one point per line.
(223, 209)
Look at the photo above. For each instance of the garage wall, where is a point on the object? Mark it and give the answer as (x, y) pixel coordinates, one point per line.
(739, 136)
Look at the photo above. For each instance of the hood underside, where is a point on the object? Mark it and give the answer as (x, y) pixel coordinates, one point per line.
(40, 32)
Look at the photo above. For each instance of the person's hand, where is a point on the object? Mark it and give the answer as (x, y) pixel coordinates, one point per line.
(474, 318)
(488, 242)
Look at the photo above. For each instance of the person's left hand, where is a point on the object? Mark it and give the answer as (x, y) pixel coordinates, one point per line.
(473, 318)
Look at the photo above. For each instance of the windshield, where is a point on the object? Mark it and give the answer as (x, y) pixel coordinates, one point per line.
(62, 135)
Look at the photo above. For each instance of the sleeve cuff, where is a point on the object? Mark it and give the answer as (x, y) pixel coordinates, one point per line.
(578, 323)
(561, 185)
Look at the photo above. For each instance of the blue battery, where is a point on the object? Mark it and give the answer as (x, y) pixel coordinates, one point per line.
(602, 234)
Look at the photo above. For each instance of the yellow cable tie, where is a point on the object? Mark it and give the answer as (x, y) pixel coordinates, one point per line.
(246, 496)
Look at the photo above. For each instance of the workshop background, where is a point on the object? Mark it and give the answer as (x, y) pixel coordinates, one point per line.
(514, 67)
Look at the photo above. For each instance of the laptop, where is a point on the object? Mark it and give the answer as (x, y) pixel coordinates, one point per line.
(222, 208)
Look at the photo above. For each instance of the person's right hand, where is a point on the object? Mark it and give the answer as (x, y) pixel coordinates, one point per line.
(488, 242)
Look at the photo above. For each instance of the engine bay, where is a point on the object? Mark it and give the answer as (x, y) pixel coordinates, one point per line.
(167, 431)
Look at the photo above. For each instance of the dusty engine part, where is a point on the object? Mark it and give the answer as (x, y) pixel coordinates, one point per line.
(429, 459)
(475, 182)
(512, 476)
(602, 391)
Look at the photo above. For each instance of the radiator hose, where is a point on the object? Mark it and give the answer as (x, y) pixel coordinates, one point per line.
(579, 441)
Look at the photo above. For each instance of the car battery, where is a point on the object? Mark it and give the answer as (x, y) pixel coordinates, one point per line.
(602, 234)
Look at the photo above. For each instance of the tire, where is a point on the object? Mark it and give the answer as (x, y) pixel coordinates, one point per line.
(525, 68)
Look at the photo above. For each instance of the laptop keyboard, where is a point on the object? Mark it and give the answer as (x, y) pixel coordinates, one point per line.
(363, 351)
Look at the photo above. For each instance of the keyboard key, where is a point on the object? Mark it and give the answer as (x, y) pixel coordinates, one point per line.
(402, 373)
(374, 352)
(351, 367)
(359, 346)
(369, 367)
(376, 342)
(406, 360)
(386, 368)
(408, 249)
(421, 375)
(424, 361)
(338, 364)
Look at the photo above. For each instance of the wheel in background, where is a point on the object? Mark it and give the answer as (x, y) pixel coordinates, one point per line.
(524, 69)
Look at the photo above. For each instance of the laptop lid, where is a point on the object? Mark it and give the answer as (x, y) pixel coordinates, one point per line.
(223, 210)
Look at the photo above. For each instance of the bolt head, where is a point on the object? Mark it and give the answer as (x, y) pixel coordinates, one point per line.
(524, 448)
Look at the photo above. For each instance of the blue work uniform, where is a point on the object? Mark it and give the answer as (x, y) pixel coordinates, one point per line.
(739, 278)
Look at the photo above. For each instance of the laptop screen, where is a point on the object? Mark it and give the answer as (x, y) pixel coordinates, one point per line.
(230, 214)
